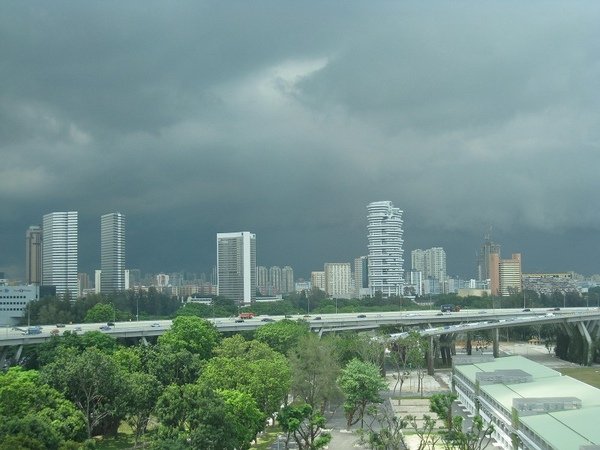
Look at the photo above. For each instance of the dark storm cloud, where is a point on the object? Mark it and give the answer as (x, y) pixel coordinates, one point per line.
(286, 119)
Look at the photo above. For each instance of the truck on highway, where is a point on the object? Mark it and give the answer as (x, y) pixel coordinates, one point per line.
(246, 315)
(33, 330)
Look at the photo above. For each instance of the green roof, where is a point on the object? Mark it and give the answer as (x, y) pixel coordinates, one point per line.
(556, 433)
(507, 363)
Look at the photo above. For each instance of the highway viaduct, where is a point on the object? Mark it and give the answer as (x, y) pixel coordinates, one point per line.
(431, 324)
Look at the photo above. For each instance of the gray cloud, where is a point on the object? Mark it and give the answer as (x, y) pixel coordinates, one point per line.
(287, 119)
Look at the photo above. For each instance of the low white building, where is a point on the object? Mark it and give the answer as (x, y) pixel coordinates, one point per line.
(14, 300)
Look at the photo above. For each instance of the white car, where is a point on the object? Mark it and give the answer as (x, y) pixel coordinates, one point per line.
(155, 325)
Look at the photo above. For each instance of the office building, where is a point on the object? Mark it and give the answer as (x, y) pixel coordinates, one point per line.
(386, 271)
(511, 275)
(112, 253)
(13, 302)
(236, 266)
(59, 252)
(338, 280)
(33, 255)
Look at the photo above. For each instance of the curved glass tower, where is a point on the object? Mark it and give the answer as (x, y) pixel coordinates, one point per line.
(384, 226)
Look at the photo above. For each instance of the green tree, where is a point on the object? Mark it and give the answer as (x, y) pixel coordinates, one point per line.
(33, 427)
(361, 384)
(243, 413)
(267, 380)
(407, 354)
(282, 335)
(441, 404)
(315, 369)
(172, 366)
(475, 438)
(305, 426)
(193, 334)
(196, 416)
(101, 312)
(22, 393)
(91, 380)
(384, 429)
(142, 393)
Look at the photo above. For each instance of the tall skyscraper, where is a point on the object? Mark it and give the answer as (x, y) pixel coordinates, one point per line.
(384, 226)
(112, 253)
(262, 279)
(59, 252)
(33, 255)
(236, 266)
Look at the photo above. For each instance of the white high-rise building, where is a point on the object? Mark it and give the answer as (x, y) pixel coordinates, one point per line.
(338, 280)
(236, 266)
(59, 252)
(112, 253)
(384, 226)
(317, 280)
(431, 263)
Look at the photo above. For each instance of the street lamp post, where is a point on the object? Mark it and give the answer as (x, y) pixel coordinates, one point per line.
(137, 308)
(336, 305)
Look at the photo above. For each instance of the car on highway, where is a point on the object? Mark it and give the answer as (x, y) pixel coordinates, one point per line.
(317, 318)
(77, 329)
(362, 316)
(104, 327)
(155, 325)
(110, 324)
(526, 310)
(267, 319)
(60, 325)
(239, 320)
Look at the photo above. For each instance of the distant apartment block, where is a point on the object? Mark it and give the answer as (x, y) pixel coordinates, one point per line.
(287, 280)
(236, 266)
(338, 280)
(384, 234)
(432, 264)
(59, 252)
(317, 280)
(33, 255)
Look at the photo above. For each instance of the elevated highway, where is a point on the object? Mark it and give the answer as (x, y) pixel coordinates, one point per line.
(430, 323)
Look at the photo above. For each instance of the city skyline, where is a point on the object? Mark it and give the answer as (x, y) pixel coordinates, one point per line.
(286, 119)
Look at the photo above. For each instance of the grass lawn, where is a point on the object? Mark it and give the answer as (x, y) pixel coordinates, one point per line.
(589, 375)
(267, 439)
(122, 441)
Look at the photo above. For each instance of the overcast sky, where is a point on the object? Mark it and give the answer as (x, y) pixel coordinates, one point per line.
(287, 118)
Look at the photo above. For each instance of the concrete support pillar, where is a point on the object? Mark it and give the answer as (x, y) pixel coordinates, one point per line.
(18, 354)
(430, 352)
(3, 354)
(144, 341)
(469, 344)
(587, 344)
(496, 335)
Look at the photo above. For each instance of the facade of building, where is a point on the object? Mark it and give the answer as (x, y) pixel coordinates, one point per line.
(386, 271)
(14, 300)
(531, 407)
(361, 277)
(338, 280)
(236, 266)
(432, 264)
(549, 283)
(275, 280)
(287, 280)
(33, 255)
(511, 277)
(317, 280)
(488, 248)
(262, 279)
(60, 252)
(112, 253)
